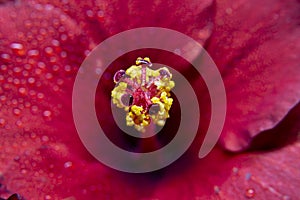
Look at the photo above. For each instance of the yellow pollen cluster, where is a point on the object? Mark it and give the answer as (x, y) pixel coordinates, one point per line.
(144, 93)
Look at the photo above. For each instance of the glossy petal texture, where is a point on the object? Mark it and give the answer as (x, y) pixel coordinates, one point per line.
(256, 45)
(45, 42)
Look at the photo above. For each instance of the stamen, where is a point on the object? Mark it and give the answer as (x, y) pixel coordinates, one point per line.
(144, 93)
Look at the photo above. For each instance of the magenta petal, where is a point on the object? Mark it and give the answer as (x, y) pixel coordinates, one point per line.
(41, 50)
(101, 19)
(256, 46)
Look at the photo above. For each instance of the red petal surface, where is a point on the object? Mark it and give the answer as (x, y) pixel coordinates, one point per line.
(41, 156)
(256, 45)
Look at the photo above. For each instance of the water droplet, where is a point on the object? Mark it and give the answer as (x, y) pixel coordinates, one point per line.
(2, 98)
(17, 81)
(63, 54)
(22, 91)
(18, 49)
(5, 57)
(16, 111)
(49, 50)
(2, 122)
(10, 79)
(68, 164)
(23, 171)
(48, 197)
(17, 69)
(3, 67)
(216, 189)
(38, 71)
(41, 65)
(55, 43)
(31, 80)
(17, 158)
(63, 37)
(43, 31)
(55, 88)
(248, 176)
(6, 86)
(14, 102)
(60, 81)
(250, 193)
(45, 138)
(34, 109)
(90, 13)
(229, 11)
(53, 59)
(100, 15)
(48, 76)
(68, 68)
(235, 170)
(55, 68)
(47, 114)
(27, 104)
(33, 53)
(25, 73)
(177, 51)
(40, 95)
(19, 123)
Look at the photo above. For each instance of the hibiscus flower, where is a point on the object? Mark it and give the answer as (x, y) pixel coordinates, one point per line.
(255, 46)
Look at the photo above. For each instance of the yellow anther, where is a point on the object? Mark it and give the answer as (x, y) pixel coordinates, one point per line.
(145, 87)
(137, 109)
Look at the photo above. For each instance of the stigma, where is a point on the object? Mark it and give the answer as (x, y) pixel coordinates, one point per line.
(144, 93)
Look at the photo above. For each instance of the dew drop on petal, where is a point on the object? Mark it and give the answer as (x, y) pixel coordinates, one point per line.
(3, 67)
(16, 111)
(286, 197)
(45, 138)
(248, 176)
(34, 109)
(33, 53)
(47, 114)
(17, 81)
(17, 69)
(63, 54)
(49, 50)
(55, 68)
(42, 65)
(216, 189)
(89, 13)
(19, 123)
(177, 51)
(31, 80)
(235, 170)
(22, 91)
(48, 76)
(68, 68)
(2, 122)
(60, 81)
(55, 88)
(2, 98)
(40, 95)
(55, 43)
(27, 104)
(68, 164)
(18, 49)
(250, 193)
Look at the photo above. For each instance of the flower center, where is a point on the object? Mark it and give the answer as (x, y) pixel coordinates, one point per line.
(144, 93)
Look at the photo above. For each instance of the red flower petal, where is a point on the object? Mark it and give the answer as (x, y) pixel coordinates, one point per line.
(41, 155)
(256, 45)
